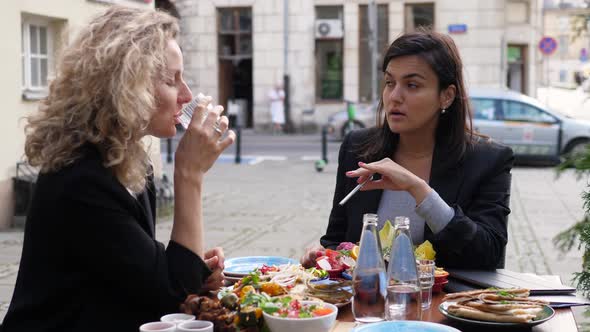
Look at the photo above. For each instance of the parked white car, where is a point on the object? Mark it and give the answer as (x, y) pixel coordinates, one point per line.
(521, 122)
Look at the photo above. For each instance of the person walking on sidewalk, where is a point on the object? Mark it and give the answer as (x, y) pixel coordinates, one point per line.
(277, 108)
(427, 161)
(90, 261)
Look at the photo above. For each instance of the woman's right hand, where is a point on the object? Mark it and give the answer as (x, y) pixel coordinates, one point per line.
(311, 254)
(201, 144)
(214, 258)
(394, 177)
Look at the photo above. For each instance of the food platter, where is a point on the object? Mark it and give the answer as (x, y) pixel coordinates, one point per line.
(295, 281)
(546, 314)
(225, 290)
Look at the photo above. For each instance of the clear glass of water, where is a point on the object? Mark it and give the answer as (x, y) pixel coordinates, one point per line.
(426, 273)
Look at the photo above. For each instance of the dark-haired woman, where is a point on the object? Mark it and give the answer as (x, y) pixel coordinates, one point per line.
(428, 163)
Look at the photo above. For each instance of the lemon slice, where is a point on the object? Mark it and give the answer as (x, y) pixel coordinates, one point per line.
(425, 251)
(386, 235)
(354, 252)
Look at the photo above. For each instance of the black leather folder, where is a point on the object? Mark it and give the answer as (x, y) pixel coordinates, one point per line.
(460, 280)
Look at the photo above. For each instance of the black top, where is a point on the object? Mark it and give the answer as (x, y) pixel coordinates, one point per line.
(90, 261)
(477, 187)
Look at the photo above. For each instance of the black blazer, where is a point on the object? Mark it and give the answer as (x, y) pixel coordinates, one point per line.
(477, 188)
(90, 261)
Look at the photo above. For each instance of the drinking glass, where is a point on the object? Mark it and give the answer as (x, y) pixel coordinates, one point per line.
(426, 273)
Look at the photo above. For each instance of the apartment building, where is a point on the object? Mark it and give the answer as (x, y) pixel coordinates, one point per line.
(234, 49)
(568, 26)
(32, 32)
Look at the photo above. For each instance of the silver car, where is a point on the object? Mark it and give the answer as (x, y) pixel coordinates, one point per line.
(519, 121)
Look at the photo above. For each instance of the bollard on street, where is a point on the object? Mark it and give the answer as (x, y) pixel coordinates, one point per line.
(238, 144)
(169, 150)
(325, 144)
(320, 164)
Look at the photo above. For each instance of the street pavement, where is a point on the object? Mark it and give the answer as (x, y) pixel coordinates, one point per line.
(279, 206)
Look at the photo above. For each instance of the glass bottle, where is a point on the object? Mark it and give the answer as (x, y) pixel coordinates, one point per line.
(369, 277)
(403, 287)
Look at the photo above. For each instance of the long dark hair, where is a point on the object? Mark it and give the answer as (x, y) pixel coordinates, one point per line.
(454, 127)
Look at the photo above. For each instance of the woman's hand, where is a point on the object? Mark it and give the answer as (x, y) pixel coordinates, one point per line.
(217, 254)
(201, 144)
(214, 258)
(393, 177)
(309, 258)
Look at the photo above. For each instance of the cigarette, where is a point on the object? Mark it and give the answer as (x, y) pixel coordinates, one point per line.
(357, 188)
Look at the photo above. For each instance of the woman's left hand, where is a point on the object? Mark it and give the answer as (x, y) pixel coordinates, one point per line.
(393, 177)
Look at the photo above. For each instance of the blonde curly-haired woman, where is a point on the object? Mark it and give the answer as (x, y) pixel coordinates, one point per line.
(90, 261)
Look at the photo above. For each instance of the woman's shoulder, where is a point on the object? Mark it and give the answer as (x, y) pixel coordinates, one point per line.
(487, 150)
(483, 144)
(355, 140)
(359, 136)
(85, 170)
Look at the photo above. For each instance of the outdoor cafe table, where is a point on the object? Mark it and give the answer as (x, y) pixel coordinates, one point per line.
(563, 321)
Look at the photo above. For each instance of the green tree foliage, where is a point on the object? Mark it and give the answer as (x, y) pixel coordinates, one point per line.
(580, 232)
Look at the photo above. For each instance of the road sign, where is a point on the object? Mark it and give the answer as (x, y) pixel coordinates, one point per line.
(457, 28)
(548, 45)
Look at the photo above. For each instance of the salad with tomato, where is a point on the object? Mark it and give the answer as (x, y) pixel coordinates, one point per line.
(335, 262)
(292, 308)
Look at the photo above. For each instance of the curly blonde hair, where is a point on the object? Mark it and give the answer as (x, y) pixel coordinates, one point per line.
(104, 94)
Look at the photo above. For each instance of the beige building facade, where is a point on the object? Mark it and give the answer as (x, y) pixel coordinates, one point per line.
(32, 32)
(234, 49)
(573, 51)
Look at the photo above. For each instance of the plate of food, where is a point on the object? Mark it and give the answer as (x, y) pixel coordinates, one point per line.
(496, 307)
(294, 281)
(241, 266)
(334, 291)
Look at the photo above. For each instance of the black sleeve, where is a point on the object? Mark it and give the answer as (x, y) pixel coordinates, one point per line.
(108, 242)
(477, 235)
(338, 222)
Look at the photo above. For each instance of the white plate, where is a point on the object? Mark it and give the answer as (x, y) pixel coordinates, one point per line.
(403, 326)
(242, 266)
(542, 317)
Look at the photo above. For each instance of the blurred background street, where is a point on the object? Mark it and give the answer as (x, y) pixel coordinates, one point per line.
(526, 65)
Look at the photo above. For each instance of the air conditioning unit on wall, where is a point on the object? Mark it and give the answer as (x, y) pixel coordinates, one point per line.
(328, 29)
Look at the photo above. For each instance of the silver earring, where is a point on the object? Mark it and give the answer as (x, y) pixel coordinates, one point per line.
(443, 111)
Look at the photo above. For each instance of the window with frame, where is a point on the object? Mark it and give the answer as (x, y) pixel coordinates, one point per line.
(329, 59)
(36, 49)
(418, 15)
(485, 109)
(516, 111)
(517, 11)
(365, 51)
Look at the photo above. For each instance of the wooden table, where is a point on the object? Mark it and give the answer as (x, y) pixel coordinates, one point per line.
(563, 321)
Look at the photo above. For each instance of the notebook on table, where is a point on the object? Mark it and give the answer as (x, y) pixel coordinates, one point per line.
(502, 278)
